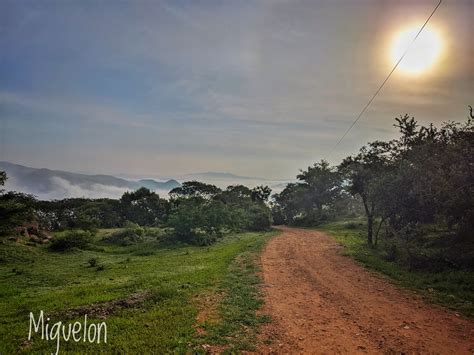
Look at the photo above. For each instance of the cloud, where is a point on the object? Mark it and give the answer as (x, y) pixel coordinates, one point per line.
(61, 188)
(259, 86)
(73, 109)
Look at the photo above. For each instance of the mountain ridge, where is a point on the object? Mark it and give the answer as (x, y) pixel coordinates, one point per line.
(43, 181)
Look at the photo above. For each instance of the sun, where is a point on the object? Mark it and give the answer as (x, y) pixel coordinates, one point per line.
(422, 53)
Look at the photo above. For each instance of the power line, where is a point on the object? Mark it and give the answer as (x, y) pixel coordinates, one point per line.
(386, 79)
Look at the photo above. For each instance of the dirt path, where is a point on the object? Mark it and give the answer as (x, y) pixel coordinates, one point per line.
(323, 302)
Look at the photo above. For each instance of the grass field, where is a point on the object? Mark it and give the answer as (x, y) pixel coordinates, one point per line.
(149, 293)
(453, 289)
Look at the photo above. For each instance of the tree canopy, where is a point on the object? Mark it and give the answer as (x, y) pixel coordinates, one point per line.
(410, 187)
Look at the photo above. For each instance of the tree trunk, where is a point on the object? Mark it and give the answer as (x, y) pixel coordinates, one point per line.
(370, 220)
(378, 231)
(370, 227)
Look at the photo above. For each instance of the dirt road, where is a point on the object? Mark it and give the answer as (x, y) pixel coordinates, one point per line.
(324, 302)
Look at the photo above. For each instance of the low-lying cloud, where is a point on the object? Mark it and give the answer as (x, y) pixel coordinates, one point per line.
(62, 188)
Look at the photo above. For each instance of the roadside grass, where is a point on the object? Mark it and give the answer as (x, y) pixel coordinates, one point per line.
(236, 327)
(453, 289)
(171, 276)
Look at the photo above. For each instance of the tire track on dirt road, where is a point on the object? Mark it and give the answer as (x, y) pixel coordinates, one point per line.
(324, 302)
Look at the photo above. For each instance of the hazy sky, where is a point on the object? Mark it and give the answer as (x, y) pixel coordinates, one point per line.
(257, 88)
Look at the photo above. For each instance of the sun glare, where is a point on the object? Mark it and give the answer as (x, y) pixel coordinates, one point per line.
(421, 55)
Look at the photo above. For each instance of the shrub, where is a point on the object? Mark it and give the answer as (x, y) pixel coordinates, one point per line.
(130, 235)
(139, 231)
(215, 218)
(201, 222)
(204, 239)
(123, 237)
(185, 220)
(92, 262)
(259, 218)
(350, 225)
(144, 253)
(76, 239)
(154, 232)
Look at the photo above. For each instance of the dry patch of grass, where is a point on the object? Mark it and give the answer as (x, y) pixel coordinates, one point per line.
(102, 310)
(208, 309)
(238, 300)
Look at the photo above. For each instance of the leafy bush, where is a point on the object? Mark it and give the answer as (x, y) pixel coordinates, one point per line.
(139, 231)
(199, 221)
(154, 232)
(259, 218)
(15, 209)
(350, 225)
(215, 218)
(92, 262)
(185, 219)
(203, 239)
(202, 221)
(123, 237)
(144, 207)
(75, 239)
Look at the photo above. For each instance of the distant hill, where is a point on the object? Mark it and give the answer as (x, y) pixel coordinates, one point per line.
(159, 185)
(46, 183)
(218, 176)
(223, 180)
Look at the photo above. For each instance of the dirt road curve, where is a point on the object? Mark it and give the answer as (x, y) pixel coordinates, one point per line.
(323, 302)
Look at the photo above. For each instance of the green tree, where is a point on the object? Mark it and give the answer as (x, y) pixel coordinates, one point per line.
(16, 208)
(290, 204)
(3, 179)
(194, 189)
(198, 221)
(311, 200)
(144, 207)
(260, 193)
(365, 173)
(322, 184)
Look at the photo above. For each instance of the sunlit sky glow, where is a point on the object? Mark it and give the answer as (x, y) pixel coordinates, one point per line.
(257, 88)
(421, 52)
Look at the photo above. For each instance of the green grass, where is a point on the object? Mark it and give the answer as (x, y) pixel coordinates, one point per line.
(238, 320)
(172, 277)
(453, 288)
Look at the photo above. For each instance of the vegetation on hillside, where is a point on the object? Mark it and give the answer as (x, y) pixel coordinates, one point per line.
(196, 212)
(416, 192)
(151, 289)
